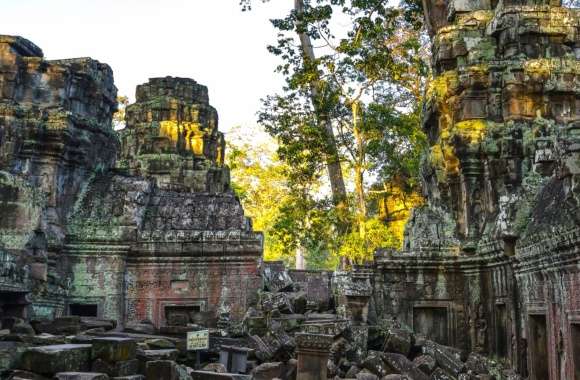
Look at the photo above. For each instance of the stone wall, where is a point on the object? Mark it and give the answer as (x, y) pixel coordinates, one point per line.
(128, 225)
(493, 255)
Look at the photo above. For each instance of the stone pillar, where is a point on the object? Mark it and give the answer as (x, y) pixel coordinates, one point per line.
(312, 350)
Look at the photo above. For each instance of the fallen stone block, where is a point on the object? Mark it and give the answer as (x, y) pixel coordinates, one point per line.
(10, 354)
(215, 367)
(352, 372)
(143, 327)
(48, 339)
(152, 355)
(205, 375)
(113, 349)
(399, 364)
(80, 376)
(478, 364)
(440, 374)
(399, 341)
(18, 374)
(425, 363)
(132, 377)
(70, 325)
(159, 343)
(22, 328)
(93, 323)
(364, 375)
(165, 370)
(275, 276)
(118, 368)
(57, 358)
(449, 359)
(375, 364)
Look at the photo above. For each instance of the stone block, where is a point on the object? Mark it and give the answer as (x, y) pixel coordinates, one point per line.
(399, 341)
(117, 368)
(80, 376)
(112, 349)
(161, 370)
(205, 375)
(425, 363)
(10, 353)
(57, 358)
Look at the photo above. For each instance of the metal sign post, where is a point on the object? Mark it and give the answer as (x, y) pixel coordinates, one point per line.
(197, 341)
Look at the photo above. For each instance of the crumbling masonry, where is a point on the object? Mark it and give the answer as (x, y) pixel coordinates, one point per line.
(140, 228)
(491, 262)
(154, 234)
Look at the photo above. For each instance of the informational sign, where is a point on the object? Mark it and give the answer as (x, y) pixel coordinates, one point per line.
(198, 340)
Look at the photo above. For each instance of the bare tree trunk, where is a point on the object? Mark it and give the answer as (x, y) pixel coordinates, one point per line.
(332, 158)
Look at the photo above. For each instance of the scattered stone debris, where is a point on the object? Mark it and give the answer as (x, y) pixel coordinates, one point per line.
(313, 345)
(115, 245)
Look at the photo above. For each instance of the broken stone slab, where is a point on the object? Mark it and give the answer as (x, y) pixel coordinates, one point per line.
(425, 363)
(70, 325)
(114, 349)
(477, 364)
(10, 353)
(80, 376)
(159, 343)
(275, 276)
(165, 370)
(22, 328)
(18, 374)
(57, 358)
(152, 355)
(215, 367)
(117, 368)
(398, 341)
(364, 375)
(205, 375)
(281, 370)
(93, 323)
(399, 364)
(440, 374)
(448, 358)
(375, 364)
(273, 347)
(143, 327)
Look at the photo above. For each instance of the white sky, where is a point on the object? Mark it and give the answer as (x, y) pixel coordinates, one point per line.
(211, 41)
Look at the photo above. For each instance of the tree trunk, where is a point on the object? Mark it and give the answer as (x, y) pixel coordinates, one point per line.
(332, 158)
(359, 175)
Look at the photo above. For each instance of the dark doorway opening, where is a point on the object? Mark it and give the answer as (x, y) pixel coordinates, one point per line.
(431, 322)
(83, 310)
(538, 346)
(13, 304)
(575, 335)
(181, 315)
(501, 338)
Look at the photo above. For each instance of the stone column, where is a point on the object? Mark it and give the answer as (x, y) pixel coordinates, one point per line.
(312, 350)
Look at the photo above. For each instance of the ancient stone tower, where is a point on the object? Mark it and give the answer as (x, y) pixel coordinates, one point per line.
(137, 226)
(491, 262)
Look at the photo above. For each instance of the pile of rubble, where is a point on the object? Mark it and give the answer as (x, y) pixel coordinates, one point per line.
(292, 333)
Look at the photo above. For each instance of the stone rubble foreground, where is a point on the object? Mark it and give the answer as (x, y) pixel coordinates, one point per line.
(114, 245)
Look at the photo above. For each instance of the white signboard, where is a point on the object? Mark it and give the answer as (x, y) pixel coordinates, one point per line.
(198, 340)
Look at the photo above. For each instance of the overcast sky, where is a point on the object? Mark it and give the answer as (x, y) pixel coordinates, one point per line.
(211, 41)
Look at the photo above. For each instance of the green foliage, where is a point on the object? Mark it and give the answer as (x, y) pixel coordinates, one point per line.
(366, 79)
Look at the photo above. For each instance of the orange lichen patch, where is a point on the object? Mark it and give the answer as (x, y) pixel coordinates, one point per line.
(544, 67)
(471, 131)
(189, 132)
(477, 19)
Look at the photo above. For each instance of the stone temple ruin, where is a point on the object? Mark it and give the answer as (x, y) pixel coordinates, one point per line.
(113, 245)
